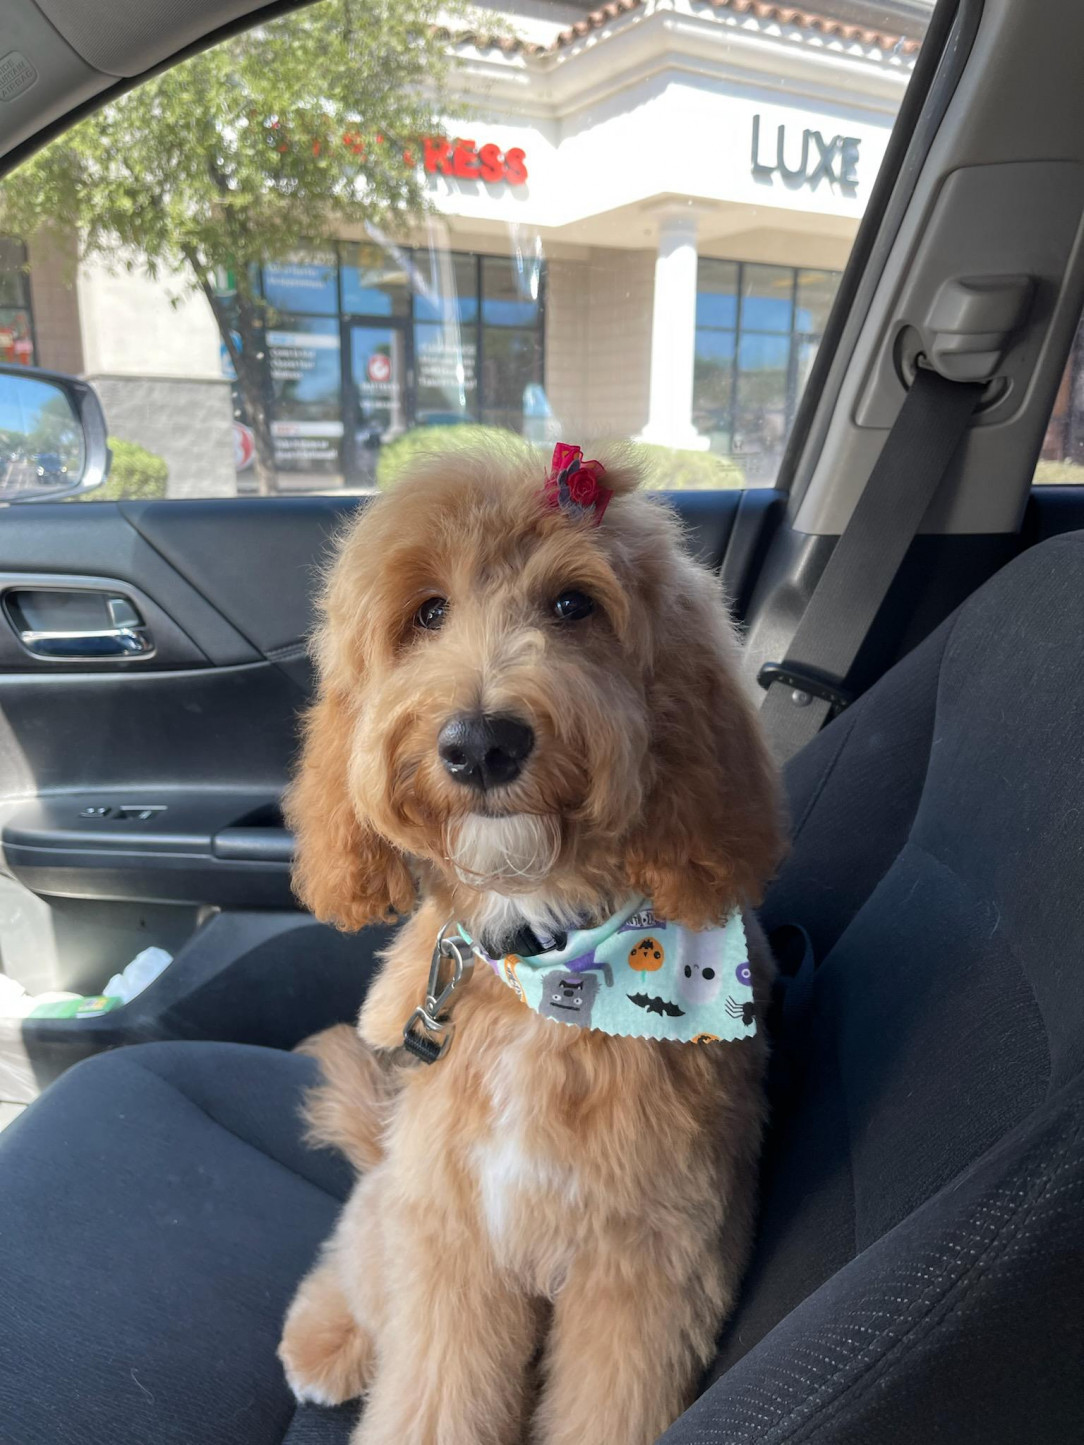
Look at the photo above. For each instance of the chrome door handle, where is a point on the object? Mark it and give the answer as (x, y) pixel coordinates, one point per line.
(78, 646)
(76, 624)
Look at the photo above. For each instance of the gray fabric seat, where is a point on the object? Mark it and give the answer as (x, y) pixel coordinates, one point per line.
(156, 1210)
(918, 1273)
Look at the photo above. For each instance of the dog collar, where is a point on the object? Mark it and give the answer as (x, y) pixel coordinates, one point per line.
(639, 976)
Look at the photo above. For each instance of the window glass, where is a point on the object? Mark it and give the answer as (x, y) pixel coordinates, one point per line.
(303, 283)
(445, 286)
(713, 387)
(568, 261)
(815, 292)
(512, 363)
(16, 323)
(752, 359)
(375, 281)
(16, 337)
(717, 293)
(760, 411)
(445, 367)
(767, 298)
(1061, 460)
(509, 291)
(14, 283)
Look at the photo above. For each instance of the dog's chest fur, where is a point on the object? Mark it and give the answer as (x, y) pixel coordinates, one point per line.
(523, 1182)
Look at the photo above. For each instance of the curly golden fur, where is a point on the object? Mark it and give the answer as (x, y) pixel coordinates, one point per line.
(542, 1188)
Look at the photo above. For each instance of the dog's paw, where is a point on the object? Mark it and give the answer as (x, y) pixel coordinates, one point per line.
(325, 1371)
(326, 1355)
(310, 1392)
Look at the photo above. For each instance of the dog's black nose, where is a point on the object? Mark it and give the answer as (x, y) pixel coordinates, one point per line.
(484, 751)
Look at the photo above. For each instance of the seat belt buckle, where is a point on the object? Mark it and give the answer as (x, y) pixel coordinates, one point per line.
(807, 684)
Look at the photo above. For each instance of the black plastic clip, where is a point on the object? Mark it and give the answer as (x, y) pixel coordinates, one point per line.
(422, 1046)
(804, 680)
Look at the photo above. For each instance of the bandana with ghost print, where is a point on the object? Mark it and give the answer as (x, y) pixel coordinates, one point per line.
(638, 976)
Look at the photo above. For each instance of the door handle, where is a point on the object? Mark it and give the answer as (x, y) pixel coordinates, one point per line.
(99, 642)
(77, 625)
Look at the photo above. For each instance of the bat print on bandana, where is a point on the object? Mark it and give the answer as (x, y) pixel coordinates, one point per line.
(656, 1005)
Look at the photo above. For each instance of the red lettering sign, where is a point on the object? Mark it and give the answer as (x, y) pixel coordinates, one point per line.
(465, 162)
(515, 169)
(438, 156)
(468, 161)
(492, 163)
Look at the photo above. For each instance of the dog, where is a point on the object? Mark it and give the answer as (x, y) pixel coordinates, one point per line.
(528, 724)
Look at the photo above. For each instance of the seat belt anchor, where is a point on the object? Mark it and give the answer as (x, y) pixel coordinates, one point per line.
(807, 684)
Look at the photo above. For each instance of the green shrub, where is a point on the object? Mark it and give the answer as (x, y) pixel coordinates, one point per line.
(670, 470)
(665, 468)
(397, 456)
(133, 472)
(1058, 473)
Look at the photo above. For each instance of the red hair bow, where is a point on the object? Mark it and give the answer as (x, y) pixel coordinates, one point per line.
(575, 486)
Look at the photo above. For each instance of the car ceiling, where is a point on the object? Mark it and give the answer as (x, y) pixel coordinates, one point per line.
(59, 55)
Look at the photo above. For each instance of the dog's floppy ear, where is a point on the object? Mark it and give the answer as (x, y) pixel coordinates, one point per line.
(344, 871)
(711, 833)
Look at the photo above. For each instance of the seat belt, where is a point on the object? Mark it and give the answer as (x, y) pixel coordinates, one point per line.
(808, 687)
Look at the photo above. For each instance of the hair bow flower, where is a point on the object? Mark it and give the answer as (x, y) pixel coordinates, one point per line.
(575, 486)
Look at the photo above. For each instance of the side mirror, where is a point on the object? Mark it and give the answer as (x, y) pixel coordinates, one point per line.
(52, 436)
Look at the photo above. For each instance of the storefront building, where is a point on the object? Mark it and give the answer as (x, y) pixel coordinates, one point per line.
(638, 234)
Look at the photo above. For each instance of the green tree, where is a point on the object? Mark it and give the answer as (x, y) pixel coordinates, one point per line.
(275, 137)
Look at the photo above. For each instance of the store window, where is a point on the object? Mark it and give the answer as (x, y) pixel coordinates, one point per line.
(757, 332)
(366, 342)
(16, 319)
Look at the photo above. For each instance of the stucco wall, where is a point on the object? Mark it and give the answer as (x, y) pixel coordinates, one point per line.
(598, 342)
(621, 287)
(189, 423)
(566, 358)
(152, 349)
(134, 325)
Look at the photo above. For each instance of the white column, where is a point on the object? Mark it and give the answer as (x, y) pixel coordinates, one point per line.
(673, 336)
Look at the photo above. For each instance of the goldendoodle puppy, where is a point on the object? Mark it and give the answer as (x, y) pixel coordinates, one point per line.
(530, 738)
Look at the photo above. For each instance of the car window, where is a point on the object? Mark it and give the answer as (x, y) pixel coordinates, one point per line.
(298, 257)
(1062, 457)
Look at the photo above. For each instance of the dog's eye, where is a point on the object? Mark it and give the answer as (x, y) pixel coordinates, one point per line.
(572, 606)
(432, 614)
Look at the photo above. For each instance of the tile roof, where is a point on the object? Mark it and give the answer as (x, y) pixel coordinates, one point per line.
(759, 9)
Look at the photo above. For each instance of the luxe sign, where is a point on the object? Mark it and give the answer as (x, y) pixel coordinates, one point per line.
(835, 160)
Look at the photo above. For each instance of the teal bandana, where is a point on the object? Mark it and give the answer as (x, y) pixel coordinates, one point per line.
(640, 977)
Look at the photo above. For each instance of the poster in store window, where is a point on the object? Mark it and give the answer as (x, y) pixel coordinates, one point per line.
(446, 359)
(306, 384)
(302, 286)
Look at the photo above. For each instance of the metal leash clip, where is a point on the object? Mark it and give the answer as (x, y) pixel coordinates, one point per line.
(429, 1031)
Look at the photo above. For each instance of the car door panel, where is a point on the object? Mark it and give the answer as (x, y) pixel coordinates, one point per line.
(97, 540)
(255, 561)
